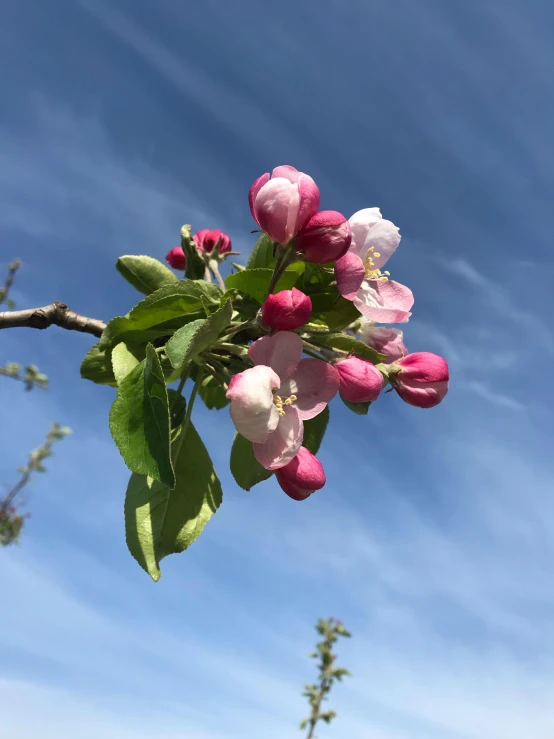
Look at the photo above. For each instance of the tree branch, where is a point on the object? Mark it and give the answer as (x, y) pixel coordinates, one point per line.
(12, 269)
(56, 314)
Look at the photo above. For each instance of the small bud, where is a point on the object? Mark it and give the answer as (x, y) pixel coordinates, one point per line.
(205, 240)
(286, 310)
(176, 258)
(421, 379)
(325, 238)
(360, 381)
(301, 476)
(388, 341)
(283, 203)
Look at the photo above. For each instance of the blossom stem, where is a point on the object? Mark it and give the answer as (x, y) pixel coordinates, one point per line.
(207, 275)
(190, 404)
(180, 386)
(280, 266)
(235, 329)
(218, 277)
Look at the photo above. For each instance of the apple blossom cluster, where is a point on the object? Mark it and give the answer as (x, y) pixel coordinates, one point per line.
(271, 400)
(314, 315)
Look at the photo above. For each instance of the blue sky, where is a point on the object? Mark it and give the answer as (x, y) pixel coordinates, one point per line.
(434, 537)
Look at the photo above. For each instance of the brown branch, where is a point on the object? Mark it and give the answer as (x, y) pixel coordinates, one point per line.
(56, 314)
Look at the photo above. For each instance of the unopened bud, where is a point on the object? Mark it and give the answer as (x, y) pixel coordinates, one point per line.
(176, 258)
(421, 379)
(360, 381)
(325, 238)
(286, 310)
(301, 476)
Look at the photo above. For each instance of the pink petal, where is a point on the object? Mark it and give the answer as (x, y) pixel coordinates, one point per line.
(276, 209)
(283, 444)
(280, 351)
(315, 383)
(252, 408)
(385, 340)
(360, 223)
(350, 273)
(309, 201)
(384, 301)
(256, 187)
(287, 171)
(384, 237)
(422, 396)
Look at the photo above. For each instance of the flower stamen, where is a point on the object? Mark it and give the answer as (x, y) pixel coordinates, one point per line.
(280, 403)
(371, 271)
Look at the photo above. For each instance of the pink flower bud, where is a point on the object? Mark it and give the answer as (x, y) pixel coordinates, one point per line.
(325, 238)
(205, 240)
(176, 258)
(388, 341)
(284, 203)
(301, 476)
(422, 380)
(286, 310)
(360, 380)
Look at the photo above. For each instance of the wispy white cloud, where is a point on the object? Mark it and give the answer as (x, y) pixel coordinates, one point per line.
(64, 169)
(488, 394)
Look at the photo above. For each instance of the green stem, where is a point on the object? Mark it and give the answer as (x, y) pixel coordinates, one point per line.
(180, 386)
(235, 329)
(280, 267)
(190, 404)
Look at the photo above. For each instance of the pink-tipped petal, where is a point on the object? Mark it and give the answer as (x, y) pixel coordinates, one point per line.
(385, 340)
(283, 444)
(361, 223)
(256, 187)
(309, 201)
(384, 301)
(287, 171)
(252, 408)
(349, 273)
(280, 351)
(315, 383)
(276, 209)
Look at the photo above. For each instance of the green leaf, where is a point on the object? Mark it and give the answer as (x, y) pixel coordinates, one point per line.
(350, 344)
(163, 312)
(335, 311)
(177, 407)
(245, 468)
(314, 431)
(160, 521)
(11, 304)
(360, 409)
(213, 394)
(96, 367)
(195, 264)
(195, 337)
(255, 282)
(145, 273)
(125, 358)
(262, 253)
(139, 420)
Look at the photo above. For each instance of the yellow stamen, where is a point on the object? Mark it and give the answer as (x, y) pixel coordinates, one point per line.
(279, 403)
(371, 271)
